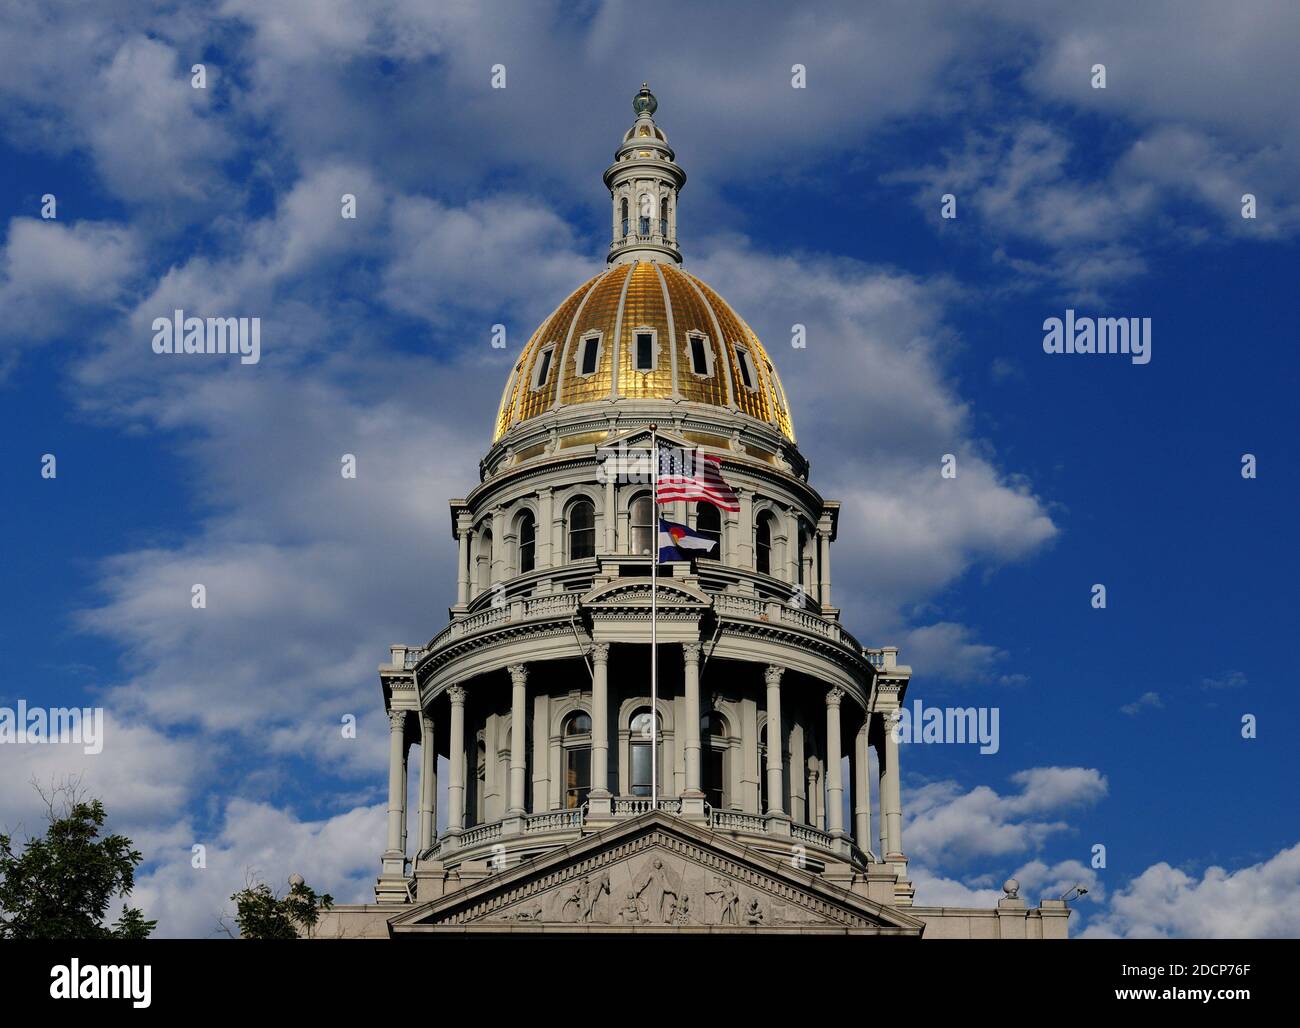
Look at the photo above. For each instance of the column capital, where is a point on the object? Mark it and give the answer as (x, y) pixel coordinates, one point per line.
(772, 675)
(833, 696)
(456, 693)
(518, 673)
(600, 652)
(691, 651)
(397, 720)
(426, 721)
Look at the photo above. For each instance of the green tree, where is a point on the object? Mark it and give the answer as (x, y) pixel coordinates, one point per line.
(61, 886)
(260, 914)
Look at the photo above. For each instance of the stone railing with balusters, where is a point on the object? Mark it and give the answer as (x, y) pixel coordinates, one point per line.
(628, 806)
(553, 821)
(737, 821)
(809, 834)
(480, 833)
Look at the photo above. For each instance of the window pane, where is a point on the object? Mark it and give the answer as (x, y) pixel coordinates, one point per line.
(640, 769)
(582, 531)
(527, 543)
(590, 347)
(643, 534)
(544, 368)
(708, 522)
(577, 777)
(712, 767)
(578, 724)
(644, 352)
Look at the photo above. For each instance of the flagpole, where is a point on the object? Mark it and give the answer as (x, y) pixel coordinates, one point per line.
(654, 620)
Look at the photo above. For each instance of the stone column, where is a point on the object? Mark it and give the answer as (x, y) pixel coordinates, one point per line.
(599, 797)
(518, 737)
(862, 787)
(499, 546)
(891, 806)
(428, 784)
(396, 775)
(775, 771)
(824, 568)
(463, 529)
(545, 558)
(834, 786)
(609, 520)
(745, 540)
(456, 760)
(691, 652)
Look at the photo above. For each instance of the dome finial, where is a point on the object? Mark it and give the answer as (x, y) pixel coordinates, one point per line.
(644, 102)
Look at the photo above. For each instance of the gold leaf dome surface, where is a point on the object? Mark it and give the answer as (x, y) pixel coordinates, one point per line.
(675, 308)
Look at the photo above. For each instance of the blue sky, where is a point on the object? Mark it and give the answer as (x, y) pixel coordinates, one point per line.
(817, 206)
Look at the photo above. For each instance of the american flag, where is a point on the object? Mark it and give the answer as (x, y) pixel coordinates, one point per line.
(692, 475)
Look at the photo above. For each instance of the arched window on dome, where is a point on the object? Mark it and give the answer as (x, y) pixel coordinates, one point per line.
(708, 523)
(581, 523)
(526, 533)
(645, 212)
(576, 742)
(715, 745)
(624, 208)
(763, 543)
(643, 525)
(663, 217)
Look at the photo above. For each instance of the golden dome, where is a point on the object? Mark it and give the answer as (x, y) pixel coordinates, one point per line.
(644, 330)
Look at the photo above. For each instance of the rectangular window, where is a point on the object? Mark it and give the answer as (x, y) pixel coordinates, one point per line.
(746, 374)
(577, 778)
(590, 350)
(543, 368)
(645, 351)
(641, 769)
(713, 778)
(699, 356)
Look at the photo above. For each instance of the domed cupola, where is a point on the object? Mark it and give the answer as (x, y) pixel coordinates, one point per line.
(644, 182)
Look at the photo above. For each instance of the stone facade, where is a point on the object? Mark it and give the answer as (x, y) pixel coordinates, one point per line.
(768, 812)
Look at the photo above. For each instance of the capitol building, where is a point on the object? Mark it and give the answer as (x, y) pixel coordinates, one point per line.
(755, 789)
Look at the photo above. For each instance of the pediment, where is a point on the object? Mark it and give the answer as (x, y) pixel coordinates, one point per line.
(656, 873)
(636, 592)
(639, 438)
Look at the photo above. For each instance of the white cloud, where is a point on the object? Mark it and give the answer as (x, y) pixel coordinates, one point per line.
(944, 822)
(1261, 901)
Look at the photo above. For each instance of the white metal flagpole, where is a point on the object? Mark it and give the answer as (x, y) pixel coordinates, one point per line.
(654, 619)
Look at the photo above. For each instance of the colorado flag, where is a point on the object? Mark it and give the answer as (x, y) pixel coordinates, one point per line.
(677, 542)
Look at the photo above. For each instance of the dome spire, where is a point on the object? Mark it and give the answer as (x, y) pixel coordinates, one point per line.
(644, 182)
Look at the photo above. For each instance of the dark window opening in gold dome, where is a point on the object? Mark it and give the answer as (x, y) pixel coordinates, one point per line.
(589, 356)
(645, 351)
(527, 530)
(708, 523)
(643, 527)
(543, 367)
(746, 368)
(582, 530)
(700, 356)
(763, 544)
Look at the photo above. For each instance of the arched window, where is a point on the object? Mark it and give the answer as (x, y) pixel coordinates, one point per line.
(708, 522)
(527, 533)
(803, 546)
(643, 732)
(645, 213)
(577, 759)
(582, 530)
(663, 216)
(762, 770)
(624, 217)
(480, 781)
(763, 544)
(485, 560)
(643, 524)
(713, 760)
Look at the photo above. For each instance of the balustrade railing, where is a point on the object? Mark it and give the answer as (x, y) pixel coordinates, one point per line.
(737, 821)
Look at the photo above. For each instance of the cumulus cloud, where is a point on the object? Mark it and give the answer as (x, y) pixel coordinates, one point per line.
(1148, 700)
(1261, 901)
(945, 822)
